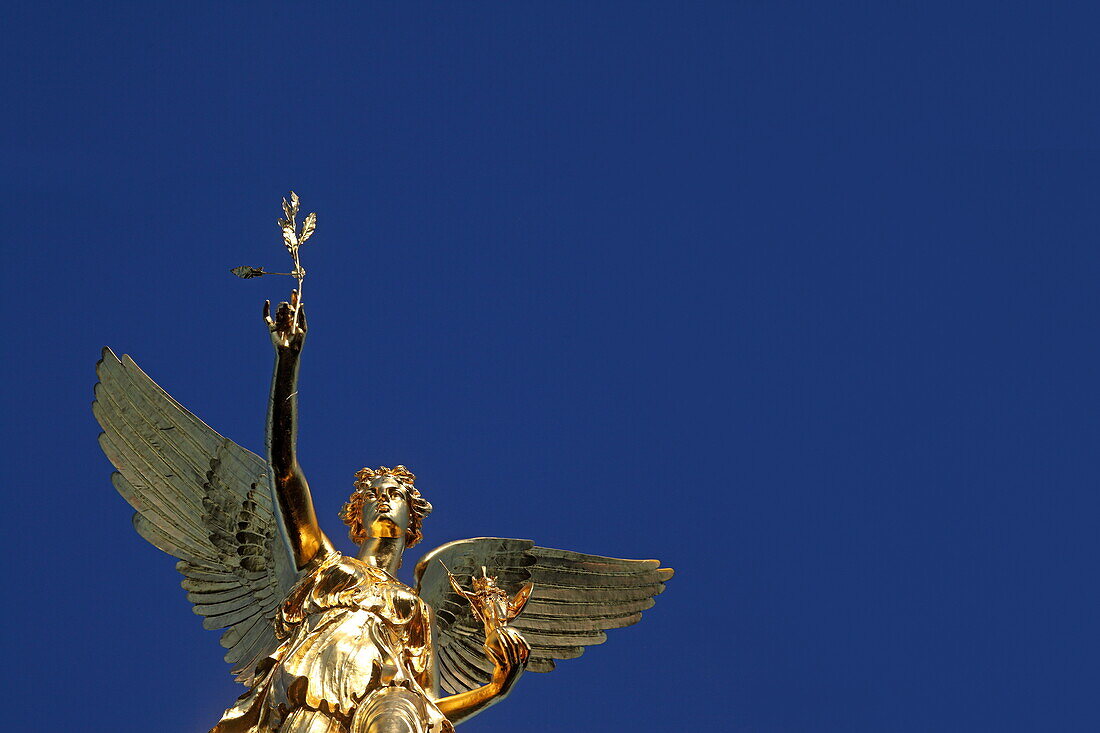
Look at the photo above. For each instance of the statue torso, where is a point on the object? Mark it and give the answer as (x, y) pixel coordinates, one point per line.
(349, 631)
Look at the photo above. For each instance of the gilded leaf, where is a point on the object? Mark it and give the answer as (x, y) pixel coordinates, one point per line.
(293, 205)
(245, 272)
(287, 210)
(284, 224)
(308, 226)
(288, 237)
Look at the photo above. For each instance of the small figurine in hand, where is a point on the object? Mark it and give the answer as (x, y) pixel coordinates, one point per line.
(492, 606)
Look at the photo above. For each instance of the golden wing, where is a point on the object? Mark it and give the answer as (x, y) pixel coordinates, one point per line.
(202, 498)
(576, 598)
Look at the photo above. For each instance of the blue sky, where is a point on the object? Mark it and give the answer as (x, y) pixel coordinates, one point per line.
(800, 298)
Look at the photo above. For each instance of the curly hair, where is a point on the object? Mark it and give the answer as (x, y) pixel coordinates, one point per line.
(352, 513)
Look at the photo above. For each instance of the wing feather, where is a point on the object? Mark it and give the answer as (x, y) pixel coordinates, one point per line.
(236, 638)
(466, 676)
(156, 536)
(447, 679)
(149, 431)
(471, 656)
(253, 646)
(548, 607)
(230, 593)
(582, 624)
(147, 490)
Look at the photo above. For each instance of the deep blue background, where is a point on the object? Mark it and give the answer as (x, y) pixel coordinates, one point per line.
(804, 301)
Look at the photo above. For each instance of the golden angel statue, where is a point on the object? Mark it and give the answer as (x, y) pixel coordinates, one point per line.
(333, 643)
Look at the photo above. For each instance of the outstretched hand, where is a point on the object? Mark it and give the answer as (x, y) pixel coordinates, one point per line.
(288, 328)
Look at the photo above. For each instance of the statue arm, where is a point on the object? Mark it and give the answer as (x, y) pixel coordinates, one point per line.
(288, 331)
(509, 652)
(421, 651)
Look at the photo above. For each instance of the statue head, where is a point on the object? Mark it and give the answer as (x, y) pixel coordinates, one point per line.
(385, 503)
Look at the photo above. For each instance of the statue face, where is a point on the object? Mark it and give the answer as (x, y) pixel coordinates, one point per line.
(386, 510)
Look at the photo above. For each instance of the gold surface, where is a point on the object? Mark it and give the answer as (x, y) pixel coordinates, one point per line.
(330, 643)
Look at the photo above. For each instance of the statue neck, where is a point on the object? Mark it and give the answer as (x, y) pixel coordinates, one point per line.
(383, 553)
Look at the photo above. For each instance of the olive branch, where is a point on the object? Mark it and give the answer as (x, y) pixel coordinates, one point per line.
(293, 238)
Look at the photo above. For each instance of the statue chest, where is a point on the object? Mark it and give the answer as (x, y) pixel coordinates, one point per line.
(345, 582)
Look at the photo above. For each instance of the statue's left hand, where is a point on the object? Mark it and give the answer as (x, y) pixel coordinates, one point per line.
(508, 649)
(288, 329)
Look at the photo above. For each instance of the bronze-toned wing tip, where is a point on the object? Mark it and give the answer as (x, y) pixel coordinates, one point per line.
(666, 573)
(104, 354)
(107, 361)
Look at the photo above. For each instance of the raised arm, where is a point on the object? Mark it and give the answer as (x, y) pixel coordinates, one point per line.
(288, 334)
